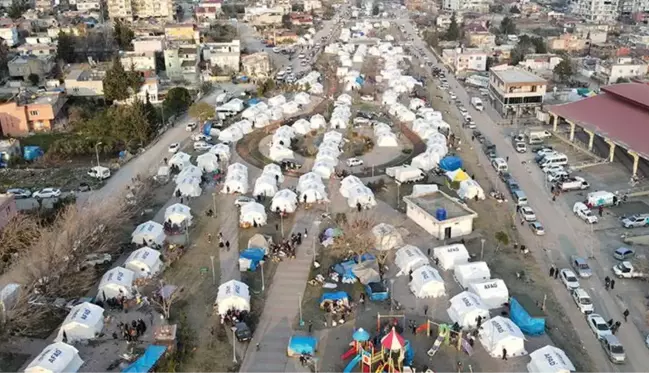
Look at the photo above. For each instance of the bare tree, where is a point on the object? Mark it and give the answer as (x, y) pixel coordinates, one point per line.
(357, 237)
(166, 296)
(16, 238)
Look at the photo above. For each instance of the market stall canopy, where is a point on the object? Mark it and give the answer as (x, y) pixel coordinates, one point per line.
(393, 341)
(427, 283)
(149, 233)
(85, 321)
(178, 214)
(145, 262)
(550, 359)
(493, 293)
(409, 258)
(116, 282)
(387, 237)
(466, 308)
(450, 256)
(232, 295)
(469, 273)
(501, 333)
(58, 357)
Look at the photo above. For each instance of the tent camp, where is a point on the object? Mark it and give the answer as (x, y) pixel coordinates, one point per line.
(207, 162)
(265, 186)
(361, 196)
(466, 274)
(117, 281)
(232, 295)
(550, 359)
(85, 321)
(222, 150)
(148, 233)
(58, 357)
(500, 333)
(285, 201)
(145, 262)
(409, 258)
(189, 187)
(493, 293)
(252, 213)
(236, 182)
(466, 308)
(178, 214)
(278, 153)
(301, 126)
(275, 171)
(427, 283)
(189, 171)
(231, 134)
(180, 160)
(387, 237)
(451, 255)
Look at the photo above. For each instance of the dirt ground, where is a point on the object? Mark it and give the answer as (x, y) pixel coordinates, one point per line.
(65, 178)
(11, 362)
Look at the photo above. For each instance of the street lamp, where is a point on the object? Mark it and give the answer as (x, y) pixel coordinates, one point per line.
(97, 151)
(391, 295)
(315, 236)
(482, 241)
(214, 204)
(299, 304)
(263, 281)
(234, 344)
(213, 273)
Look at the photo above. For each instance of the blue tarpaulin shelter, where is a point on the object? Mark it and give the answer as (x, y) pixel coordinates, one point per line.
(32, 152)
(302, 344)
(529, 321)
(377, 291)
(364, 257)
(450, 163)
(346, 270)
(360, 80)
(338, 295)
(207, 128)
(147, 361)
(253, 101)
(251, 257)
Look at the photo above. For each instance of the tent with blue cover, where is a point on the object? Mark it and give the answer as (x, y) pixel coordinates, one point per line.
(450, 163)
(346, 271)
(527, 316)
(302, 344)
(147, 361)
(333, 233)
(250, 258)
(377, 291)
(361, 335)
(333, 297)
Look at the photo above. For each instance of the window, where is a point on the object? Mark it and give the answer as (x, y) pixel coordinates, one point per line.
(33, 112)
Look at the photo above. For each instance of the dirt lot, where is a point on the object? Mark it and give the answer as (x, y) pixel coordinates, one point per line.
(10, 362)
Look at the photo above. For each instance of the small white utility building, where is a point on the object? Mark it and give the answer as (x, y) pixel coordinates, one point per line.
(451, 255)
(149, 233)
(501, 333)
(58, 357)
(145, 262)
(440, 215)
(469, 273)
(466, 308)
(232, 295)
(550, 359)
(116, 282)
(409, 258)
(427, 283)
(493, 293)
(85, 321)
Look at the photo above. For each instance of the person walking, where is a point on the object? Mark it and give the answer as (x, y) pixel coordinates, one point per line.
(556, 274)
(310, 326)
(504, 354)
(552, 271)
(612, 284)
(227, 245)
(209, 238)
(306, 233)
(426, 310)
(626, 314)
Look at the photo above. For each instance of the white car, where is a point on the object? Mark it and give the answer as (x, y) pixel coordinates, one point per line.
(557, 175)
(367, 98)
(201, 137)
(19, 193)
(569, 279)
(527, 213)
(190, 126)
(95, 260)
(351, 162)
(583, 301)
(47, 193)
(552, 168)
(453, 96)
(598, 325)
(202, 145)
(242, 200)
(545, 151)
(584, 213)
(520, 147)
(173, 148)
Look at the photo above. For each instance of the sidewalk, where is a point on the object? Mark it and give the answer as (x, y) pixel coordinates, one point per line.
(282, 306)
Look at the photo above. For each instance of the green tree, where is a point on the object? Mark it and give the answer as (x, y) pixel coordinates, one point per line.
(119, 84)
(202, 111)
(151, 114)
(524, 46)
(431, 38)
(206, 87)
(33, 78)
(297, 7)
(375, 9)
(563, 70)
(514, 10)
(286, 21)
(65, 47)
(453, 31)
(123, 35)
(507, 26)
(178, 100)
(17, 8)
(539, 45)
(502, 238)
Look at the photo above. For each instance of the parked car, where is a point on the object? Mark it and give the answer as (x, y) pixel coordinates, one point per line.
(202, 146)
(569, 279)
(242, 332)
(552, 168)
(584, 213)
(47, 193)
(527, 213)
(242, 200)
(598, 325)
(583, 301)
(19, 193)
(512, 185)
(635, 221)
(95, 260)
(581, 266)
(351, 162)
(537, 228)
(191, 126)
(623, 253)
(201, 137)
(613, 348)
(520, 147)
(559, 175)
(478, 136)
(174, 147)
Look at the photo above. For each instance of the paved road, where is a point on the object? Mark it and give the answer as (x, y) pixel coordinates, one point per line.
(565, 236)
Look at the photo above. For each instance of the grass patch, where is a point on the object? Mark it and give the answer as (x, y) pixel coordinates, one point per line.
(11, 362)
(44, 140)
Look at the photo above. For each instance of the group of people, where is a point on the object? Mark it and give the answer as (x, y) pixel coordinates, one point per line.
(287, 248)
(171, 228)
(233, 316)
(131, 332)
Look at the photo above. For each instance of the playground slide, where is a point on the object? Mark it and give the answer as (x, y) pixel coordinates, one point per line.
(352, 351)
(352, 364)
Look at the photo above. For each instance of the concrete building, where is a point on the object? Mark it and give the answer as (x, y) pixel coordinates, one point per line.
(149, 44)
(208, 10)
(23, 66)
(227, 56)
(312, 5)
(567, 42)
(39, 114)
(443, 20)
(256, 65)
(88, 5)
(183, 32)
(181, 63)
(474, 6)
(515, 91)
(138, 61)
(465, 59)
(424, 210)
(7, 209)
(477, 35)
(263, 16)
(595, 33)
(38, 50)
(43, 5)
(84, 82)
(636, 10)
(129, 10)
(538, 62)
(149, 90)
(9, 33)
(596, 11)
(610, 71)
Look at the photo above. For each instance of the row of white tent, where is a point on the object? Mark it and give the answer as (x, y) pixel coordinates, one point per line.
(356, 193)
(385, 138)
(303, 126)
(326, 159)
(311, 189)
(280, 144)
(267, 183)
(236, 179)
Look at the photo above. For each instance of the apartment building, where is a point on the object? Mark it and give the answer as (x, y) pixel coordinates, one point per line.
(597, 34)
(475, 6)
(610, 71)
(539, 62)
(443, 20)
(138, 61)
(256, 65)
(636, 10)
(208, 10)
(9, 33)
(596, 11)
(181, 62)
(23, 66)
(149, 44)
(88, 5)
(567, 42)
(263, 16)
(515, 91)
(37, 114)
(477, 35)
(84, 82)
(133, 9)
(227, 56)
(465, 59)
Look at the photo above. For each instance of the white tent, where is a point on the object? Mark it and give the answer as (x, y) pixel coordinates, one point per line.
(237, 167)
(318, 121)
(85, 321)
(333, 136)
(386, 140)
(361, 195)
(470, 189)
(469, 273)
(236, 182)
(58, 357)
(252, 213)
(285, 201)
(231, 134)
(409, 258)
(149, 233)
(493, 293)
(313, 193)
(180, 160)
(145, 262)
(347, 184)
(278, 153)
(302, 98)
(301, 126)
(276, 113)
(451, 255)
(328, 154)
(427, 283)
(189, 187)
(222, 150)
(262, 119)
(278, 100)
(426, 161)
(386, 236)
(178, 214)
(324, 167)
(290, 108)
(189, 171)
(500, 333)
(265, 186)
(466, 308)
(207, 162)
(550, 359)
(245, 126)
(275, 171)
(232, 295)
(117, 281)
(250, 112)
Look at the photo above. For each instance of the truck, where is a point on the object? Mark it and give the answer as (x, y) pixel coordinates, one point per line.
(626, 270)
(477, 103)
(99, 172)
(405, 174)
(573, 183)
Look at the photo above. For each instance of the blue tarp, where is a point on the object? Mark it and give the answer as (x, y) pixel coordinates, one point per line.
(450, 163)
(338, 295)
(529, 325)
(377, 291)
(253, 101)
(255, 255)
(345, 269)
(410, 354)
(207, 128)
(32, 152)
(302, 344)
(364, 257)
(147, 361)
(360, 80)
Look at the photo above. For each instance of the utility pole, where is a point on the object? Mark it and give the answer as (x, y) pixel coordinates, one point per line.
(97, 151)
(214, 204)
(214, 273)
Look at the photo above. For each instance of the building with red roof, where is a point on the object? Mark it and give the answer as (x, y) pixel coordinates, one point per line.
(208, 9)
